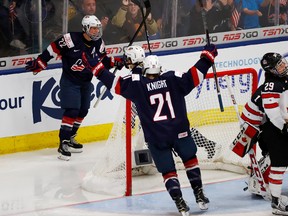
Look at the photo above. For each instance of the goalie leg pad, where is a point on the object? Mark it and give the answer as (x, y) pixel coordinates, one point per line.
(245, 140)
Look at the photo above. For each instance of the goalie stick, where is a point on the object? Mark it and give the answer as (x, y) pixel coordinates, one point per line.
(232, 96)
(213, 65)
(147, 6)
(254, 163)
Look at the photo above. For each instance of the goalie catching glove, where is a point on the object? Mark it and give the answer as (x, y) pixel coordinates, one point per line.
(96, 70)
(209, 52)
(36, 65)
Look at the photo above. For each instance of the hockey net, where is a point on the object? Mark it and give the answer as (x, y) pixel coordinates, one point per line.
(212, 130)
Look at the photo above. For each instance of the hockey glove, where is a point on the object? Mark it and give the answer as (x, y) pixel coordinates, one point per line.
(36, 65)
(209, 52)
(117, 62)
(96, 70)
(285, 129)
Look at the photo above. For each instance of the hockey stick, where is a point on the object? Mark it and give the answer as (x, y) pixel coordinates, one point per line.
(233, 99)
(254, 163)
(146, 31)
(147, 5)
(213, 65)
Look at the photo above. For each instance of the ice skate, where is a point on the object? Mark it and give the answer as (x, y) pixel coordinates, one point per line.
(181, 205)
(278, 206)
(74, 146)
(201, 199)
(64, 151)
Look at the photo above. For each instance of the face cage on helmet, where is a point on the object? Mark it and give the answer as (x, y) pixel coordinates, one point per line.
(279, 63)
(93, 37)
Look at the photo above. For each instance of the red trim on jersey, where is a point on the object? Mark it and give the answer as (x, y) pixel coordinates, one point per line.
(271, 106)
(170, 175)
(79, 120)
(251, 121)
(191, 163)
(276, 172)
(194, 73)
(270, 95)
(275, 181)
(118, 87)
(68, 120)
(55, 49)
(252, 111)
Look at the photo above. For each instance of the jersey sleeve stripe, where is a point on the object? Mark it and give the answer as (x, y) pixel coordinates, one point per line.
(270, 95)
(271, 106)
(250, 120)
(253, 111)
(53, 50)
(116, 85)
(197, 76)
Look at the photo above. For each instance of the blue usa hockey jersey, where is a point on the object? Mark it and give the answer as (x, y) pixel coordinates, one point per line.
(160, 102)
(70, 47)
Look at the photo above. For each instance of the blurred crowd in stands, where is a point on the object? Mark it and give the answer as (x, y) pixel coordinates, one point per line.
(28, 26)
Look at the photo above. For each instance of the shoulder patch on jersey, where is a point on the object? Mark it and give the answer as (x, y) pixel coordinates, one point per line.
(68, 40)
(178, 74)
(135, 77)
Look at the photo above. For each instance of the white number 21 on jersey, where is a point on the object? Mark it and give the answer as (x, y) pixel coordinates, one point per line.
(161, 99)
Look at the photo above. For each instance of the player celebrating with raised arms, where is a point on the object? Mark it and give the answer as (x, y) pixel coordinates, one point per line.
(160, 102)
(75, 82)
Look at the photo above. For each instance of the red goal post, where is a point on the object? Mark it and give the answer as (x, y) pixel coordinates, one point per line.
(213, 132)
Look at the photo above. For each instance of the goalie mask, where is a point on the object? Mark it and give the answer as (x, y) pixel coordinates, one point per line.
(92, 21)
(151, 65)
(274, 63)
(133, 55)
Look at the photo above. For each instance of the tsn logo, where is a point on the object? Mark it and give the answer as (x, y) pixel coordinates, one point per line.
(276, 31)
(22, 61)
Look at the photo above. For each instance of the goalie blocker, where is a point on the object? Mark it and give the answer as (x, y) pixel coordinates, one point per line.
(245, 140)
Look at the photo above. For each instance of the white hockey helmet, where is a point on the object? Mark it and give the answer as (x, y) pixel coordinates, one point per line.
(152, 65)
(89, 21)
(135, 53)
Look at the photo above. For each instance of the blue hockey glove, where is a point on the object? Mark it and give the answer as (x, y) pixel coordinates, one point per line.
(209, 52)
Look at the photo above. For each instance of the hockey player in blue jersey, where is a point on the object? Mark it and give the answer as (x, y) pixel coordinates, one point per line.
(75, 83)
(160, 103)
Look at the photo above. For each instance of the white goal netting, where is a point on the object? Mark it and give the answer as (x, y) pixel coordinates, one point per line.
(212, 130)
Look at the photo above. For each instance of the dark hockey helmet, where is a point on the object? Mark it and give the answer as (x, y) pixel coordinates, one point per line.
(274, 63)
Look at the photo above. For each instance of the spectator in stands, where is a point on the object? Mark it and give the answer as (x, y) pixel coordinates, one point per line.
(128, 19)
(236, 18)
(218, 16)
(175, 17)
(157, 7)
(268, 11)
(251, 13)
(106, 9)
(12, 34)
(88, 7)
